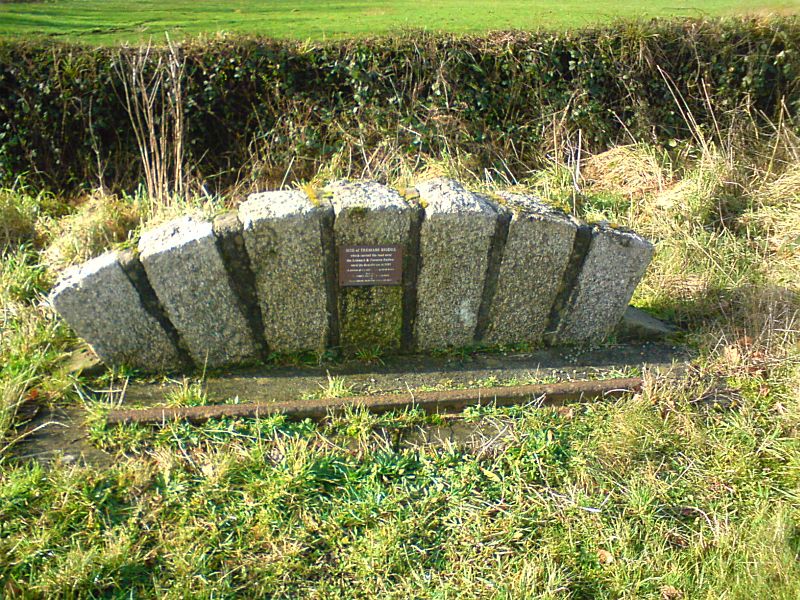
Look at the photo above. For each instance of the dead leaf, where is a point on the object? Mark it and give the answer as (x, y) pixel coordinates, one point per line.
(676, 539)
(731, 355)
(605, 557)
(780, 408)
(669, 592)
(565, 411)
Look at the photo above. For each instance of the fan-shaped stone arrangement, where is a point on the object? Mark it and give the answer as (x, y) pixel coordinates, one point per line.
(355, 265)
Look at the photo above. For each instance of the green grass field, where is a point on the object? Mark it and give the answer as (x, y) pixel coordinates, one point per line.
(114, 21)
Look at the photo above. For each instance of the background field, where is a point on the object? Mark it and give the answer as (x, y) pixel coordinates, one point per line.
(102, 21)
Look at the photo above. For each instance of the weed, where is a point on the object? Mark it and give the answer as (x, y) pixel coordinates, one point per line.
(337, 388)
(372, 355)
(188, 394)
(152, 85)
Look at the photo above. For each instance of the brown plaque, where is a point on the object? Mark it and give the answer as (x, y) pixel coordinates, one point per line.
(370, 265)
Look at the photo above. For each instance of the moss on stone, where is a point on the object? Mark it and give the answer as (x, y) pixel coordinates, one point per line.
(371, 316)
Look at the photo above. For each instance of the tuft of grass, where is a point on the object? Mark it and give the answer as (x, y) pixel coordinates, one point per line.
(32, 342)
(20, 209)
(14, 391)
(371, 355)
(22, 278)
(633, 171)
(99, 223)
(17, 219)
(337, 387)
(188, 394)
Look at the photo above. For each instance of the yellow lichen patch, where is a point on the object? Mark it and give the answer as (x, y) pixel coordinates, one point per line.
(312, 194)
(408, 193)
(498, 198)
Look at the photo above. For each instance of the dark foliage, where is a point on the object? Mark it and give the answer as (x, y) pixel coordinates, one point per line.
(254, 106)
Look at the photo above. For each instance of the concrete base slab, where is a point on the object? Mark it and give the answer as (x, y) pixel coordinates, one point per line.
(638, 324)
(411, 372)
(59, 435)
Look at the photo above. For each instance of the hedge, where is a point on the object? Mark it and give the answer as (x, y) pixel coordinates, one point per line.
(255, 106)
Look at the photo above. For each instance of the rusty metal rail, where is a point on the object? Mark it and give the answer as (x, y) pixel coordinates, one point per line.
(447, 401)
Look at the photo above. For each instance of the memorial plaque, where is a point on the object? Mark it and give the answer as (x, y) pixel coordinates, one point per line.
(370, 265)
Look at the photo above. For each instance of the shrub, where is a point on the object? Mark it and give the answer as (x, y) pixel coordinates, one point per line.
(267, 111)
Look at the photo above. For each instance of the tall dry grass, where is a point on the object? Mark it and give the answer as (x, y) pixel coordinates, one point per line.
(153, 95)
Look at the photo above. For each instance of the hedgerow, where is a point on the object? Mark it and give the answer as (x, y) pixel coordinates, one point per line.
(255, 107)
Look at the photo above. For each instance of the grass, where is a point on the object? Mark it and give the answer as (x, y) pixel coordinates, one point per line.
(643, 498)
(686, 490)
(111, 22)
